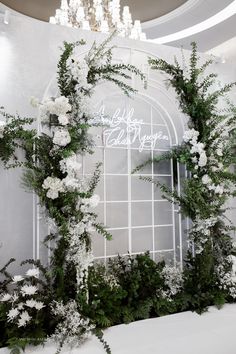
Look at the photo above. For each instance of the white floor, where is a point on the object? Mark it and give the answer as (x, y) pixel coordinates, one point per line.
(185, 333)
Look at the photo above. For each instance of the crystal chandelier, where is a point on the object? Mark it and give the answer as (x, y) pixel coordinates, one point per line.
(98, 15)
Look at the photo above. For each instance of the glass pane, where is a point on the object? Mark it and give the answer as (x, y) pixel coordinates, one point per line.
(117, 214)
(142, 240)
(116, 188)
(141, 190)
(141, 214)
(119, 243)
(163, 213)
(163, 238)
(116, 161)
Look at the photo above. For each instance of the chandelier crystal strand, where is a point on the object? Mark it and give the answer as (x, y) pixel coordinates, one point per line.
(100, 16)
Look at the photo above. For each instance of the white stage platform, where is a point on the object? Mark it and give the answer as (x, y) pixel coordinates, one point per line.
(183, 333)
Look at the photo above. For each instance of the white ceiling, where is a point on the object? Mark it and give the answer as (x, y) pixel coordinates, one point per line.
(184, 17)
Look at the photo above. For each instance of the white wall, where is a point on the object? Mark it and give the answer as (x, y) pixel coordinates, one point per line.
(29, 51)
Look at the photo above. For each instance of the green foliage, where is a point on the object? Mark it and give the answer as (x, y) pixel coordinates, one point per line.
(68, 210)
(208, 267)
(128, 289)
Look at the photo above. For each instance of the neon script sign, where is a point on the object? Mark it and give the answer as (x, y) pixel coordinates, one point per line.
(124, 129)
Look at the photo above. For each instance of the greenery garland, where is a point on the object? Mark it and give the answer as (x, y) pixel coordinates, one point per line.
(74, 297)
(48, 301)
(208, 153)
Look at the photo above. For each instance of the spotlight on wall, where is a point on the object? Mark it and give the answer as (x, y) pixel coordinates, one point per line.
(6, 17)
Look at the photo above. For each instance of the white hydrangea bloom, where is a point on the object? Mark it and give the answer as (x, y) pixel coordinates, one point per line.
(61, 137)
(79, 70)
(2, 128)
(202, 160)
(34, 272)
(86, 203)
(54, 186)
(34, 101)
(64, 119)
(60, 106)
(71, 166)
(206, 179)
(197, 148)
(190, 136)
(70, 183)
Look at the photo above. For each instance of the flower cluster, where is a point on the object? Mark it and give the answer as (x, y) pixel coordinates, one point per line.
(197, 149)
(53, 186)
(173, 278)
(2, 128)
(23, 302)
(200, 232)
(226, 276)
(73, 328)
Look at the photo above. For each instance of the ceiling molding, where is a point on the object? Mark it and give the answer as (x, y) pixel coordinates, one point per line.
(212, 21)
(173, 14)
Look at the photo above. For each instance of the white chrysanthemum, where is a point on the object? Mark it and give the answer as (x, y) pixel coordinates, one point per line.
(39, 305)
(12, 314)
(64, 119)
(61, 137)
(20, 306)
(34, 272)
(24, 319)
(206, 179)
(2, 128)
(5, 297)
(17, 279)
(29, 290)
(30, 303)
(14, 297)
